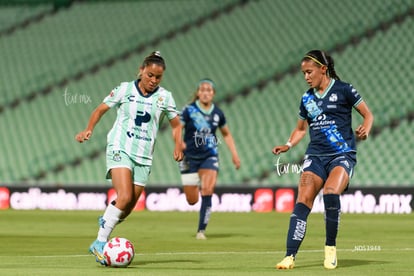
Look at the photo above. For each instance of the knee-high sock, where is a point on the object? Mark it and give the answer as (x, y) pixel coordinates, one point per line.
(205, 212)
(332, 217)
(107, 222)
(297, 228)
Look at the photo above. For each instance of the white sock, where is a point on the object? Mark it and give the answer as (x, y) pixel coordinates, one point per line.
(111, 217)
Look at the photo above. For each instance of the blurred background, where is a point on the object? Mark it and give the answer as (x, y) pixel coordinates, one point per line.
(59, 59)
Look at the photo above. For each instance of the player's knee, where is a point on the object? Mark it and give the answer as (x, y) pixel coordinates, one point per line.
(192, 200)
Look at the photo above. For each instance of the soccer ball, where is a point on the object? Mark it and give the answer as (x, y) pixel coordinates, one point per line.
(118, 252)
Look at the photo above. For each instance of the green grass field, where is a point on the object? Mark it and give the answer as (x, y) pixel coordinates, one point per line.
(56, 242)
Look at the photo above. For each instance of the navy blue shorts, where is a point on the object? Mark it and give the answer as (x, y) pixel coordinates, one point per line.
(190, 165)
(323, 165)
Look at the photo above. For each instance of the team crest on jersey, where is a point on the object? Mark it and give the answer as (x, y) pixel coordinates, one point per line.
(333, 97)
(160, 102)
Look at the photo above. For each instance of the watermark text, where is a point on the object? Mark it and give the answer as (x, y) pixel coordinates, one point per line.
(75, 98)
(286, 168)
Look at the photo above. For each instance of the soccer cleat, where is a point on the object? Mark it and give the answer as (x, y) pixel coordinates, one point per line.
(96, 248)
(287, 263)
(200, 236)
(330, 257)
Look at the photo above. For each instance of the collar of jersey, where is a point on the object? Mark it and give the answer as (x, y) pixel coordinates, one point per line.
(140, 92)
(331, 83)
(208, 112)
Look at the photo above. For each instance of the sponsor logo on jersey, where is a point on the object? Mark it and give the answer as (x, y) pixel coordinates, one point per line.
(142, 117)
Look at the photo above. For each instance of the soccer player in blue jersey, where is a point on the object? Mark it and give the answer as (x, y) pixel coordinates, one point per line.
(200, 165)
(141, 104)
(325, 109)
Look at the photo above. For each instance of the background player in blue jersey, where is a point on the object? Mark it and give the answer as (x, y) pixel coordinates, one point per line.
(200, 165)
(325, 109)
(141, 104)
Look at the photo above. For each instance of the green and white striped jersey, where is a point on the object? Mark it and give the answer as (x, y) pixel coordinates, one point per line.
(138, 119)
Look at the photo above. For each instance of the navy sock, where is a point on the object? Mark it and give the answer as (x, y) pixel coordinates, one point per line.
(205, 212)
(332, 213)
(297, 228)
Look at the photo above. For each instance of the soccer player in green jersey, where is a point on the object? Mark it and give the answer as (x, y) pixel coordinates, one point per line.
(141, 104)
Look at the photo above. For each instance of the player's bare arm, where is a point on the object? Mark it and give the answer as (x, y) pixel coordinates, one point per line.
(297, 134)
(93, 120)
(177, 136)
(228, 138)
(363, 130)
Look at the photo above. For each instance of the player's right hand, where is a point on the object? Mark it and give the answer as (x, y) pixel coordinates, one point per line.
(279, 149)
(83, 136)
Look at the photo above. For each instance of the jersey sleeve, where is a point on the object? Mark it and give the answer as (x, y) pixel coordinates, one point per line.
(352, 96)
(222, 121)
(184, 116)
(302, 114)
(114, 98)
(170, 107)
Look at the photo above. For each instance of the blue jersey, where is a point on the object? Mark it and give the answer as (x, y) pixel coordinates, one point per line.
(330, 118)
(200, 130)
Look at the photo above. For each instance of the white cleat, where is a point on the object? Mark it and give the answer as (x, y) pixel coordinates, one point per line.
(200, 236)
(330, 257)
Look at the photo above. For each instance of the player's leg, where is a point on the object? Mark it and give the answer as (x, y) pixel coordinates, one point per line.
(114, 213)
(138, 189)
(122, 182)
(191, 193)
(190, 180)
(140, 178)
(336, 183)
(208, 178)
(311, 182)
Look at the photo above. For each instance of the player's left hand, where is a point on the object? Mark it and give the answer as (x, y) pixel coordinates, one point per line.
(236, 162)
(361, 133)
(178, 154)
(83, 136)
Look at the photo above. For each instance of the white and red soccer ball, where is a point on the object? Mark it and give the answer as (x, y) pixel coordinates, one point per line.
(118, 252)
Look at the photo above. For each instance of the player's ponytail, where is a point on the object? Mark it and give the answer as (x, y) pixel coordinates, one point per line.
(154, 58)
(321, 59)
(331, 68)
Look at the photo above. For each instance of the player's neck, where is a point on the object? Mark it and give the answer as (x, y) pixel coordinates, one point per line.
(143, 91)
(206, 106)
(324, 85)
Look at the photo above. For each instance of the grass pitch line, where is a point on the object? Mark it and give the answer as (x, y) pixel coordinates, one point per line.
(225, 253)
(266, 252)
